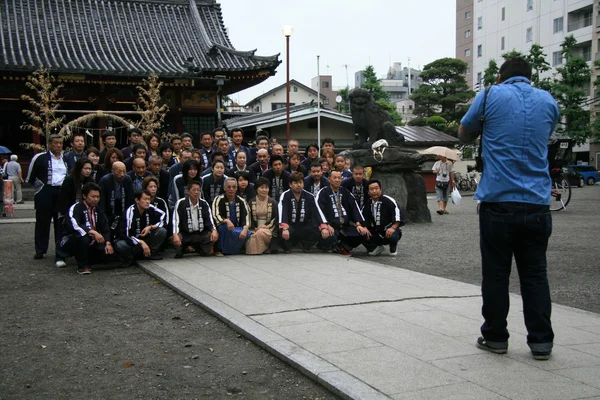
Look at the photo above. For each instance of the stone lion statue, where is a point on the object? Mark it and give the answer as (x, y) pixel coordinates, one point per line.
(371, 122)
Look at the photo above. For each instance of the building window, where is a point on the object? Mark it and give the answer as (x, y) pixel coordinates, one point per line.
(478, 78)
(558, 25)
(468, 53)
(467, 33)
(295, 89)
(479, 50)
(503, 13)
(529, 35)
(556, 58)
(468, 15)
(326, 102)
(279, 106)
(587, 19)
(479, 23)
(529, 5)
(198, 123)
(502, 43)
(325, 85)
(587, 53)
(468, 70)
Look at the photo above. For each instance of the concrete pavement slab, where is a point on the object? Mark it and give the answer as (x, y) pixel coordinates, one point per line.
(368, 331)
(513, 379)
(457, 391)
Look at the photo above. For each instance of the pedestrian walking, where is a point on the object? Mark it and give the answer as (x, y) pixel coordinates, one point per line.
(514, 216)
(12, 170)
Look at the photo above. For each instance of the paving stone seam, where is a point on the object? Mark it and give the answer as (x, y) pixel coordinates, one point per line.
(342, 383)
(361, 303)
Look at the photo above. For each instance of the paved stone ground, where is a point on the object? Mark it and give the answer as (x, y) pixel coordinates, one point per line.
(449, 248)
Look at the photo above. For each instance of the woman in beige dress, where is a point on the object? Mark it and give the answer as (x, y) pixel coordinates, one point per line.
(263, 211)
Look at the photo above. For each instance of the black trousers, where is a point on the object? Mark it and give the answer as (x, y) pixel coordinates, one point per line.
(306, 235)
(154, 240)
(86, 253)
(200, 241)
(345, 235)
(45, 213)
(522, 230)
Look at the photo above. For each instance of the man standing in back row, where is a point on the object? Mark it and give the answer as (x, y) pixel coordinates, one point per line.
(514, 216)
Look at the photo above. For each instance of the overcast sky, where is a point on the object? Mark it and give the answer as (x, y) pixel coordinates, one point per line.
(352, 32)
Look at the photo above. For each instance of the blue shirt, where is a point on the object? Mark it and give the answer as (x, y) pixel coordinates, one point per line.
(519, 119)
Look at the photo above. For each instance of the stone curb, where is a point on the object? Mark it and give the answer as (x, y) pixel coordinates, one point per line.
(339, 382)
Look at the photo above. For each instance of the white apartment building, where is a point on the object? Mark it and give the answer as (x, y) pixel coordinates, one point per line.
(500, 26)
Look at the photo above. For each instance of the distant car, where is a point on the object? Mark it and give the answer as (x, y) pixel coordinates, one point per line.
(590, 174)
(574, 177)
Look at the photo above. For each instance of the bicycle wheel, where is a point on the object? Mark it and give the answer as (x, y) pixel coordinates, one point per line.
(463, 185)
(561, 193)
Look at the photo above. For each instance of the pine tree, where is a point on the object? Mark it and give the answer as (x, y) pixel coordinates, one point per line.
(444, 90)
(45, 103)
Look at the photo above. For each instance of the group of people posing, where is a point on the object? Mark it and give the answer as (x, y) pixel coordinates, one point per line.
(223, 198)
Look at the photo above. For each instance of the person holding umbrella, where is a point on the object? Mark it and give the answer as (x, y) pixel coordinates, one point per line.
(444, 170)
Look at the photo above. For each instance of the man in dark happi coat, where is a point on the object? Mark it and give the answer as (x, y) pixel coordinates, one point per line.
(262, 164)
(279, 179)
(300, 218)
(87, 234)
(155, 169)
(357, 185)
(47, 172)
(383, 218)
(345, 221)
(193, 223)
(76, 152)
(116, 193)
(142, 231)
(232, 217)
(138, 173)
(315, 181)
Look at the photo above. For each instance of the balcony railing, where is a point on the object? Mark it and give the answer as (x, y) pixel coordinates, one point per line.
(579, 23)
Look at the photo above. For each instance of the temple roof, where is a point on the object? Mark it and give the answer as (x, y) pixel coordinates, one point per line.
(129, 38)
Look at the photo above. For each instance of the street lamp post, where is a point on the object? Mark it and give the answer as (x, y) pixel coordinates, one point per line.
(287, 32)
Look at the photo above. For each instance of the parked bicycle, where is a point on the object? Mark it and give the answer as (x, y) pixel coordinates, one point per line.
(467, 183)
(560, 191)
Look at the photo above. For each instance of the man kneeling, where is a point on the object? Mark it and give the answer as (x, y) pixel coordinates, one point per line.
(142, 231)
(384, 219)
(87, 234)
(193, 224)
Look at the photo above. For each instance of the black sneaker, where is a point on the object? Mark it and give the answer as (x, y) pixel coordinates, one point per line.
(154, 257)
(179, 253)
(498, 348)
(394, 249)
(541, 355)
(38, 256)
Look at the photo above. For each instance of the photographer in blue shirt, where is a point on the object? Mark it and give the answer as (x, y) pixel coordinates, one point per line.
(514, 216)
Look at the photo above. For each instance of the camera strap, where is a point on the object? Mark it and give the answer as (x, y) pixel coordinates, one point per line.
(482, 119)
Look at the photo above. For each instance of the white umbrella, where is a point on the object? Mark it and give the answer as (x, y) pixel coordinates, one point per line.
(451, 154)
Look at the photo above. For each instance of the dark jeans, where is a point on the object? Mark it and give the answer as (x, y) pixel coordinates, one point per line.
(154, 240)
(522, 230)
(45, 214)
(306, 235)
(378, 239)
(82, 249)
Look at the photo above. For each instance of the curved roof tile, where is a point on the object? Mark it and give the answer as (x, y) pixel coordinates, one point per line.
(173, 38)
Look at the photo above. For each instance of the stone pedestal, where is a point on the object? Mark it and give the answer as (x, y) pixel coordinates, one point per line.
(399, 179)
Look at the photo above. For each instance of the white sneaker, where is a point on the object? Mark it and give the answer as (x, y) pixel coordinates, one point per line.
(394, 254)
(378, 250)
(61, 264)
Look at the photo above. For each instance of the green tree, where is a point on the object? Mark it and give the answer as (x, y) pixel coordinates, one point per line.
(513, 53)
(443, 91)
(539, 65)
(437, 122)
(344, 105)
(570, 89)
(381, 97)
(490, 75)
